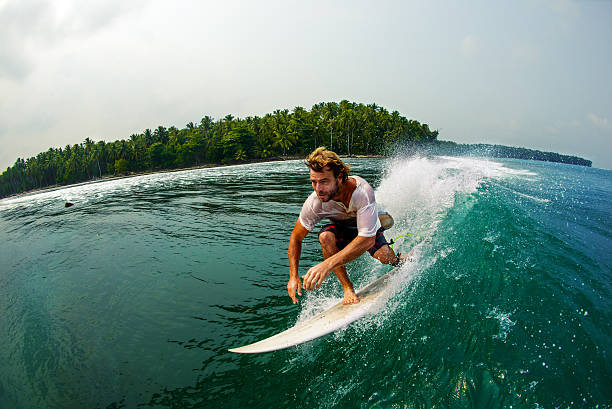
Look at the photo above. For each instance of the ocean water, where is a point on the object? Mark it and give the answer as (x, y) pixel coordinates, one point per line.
(132, 297)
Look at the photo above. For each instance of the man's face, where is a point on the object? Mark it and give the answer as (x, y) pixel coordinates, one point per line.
(325, 184)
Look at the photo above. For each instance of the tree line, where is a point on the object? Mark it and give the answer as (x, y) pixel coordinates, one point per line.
(501, 151)
(348, 128)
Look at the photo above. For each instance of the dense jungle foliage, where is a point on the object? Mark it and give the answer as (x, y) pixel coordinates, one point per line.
(348, 128)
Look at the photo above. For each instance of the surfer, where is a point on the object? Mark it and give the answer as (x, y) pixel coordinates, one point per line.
(349, 203)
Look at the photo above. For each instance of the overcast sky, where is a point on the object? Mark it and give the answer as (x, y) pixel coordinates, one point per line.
(531, 73)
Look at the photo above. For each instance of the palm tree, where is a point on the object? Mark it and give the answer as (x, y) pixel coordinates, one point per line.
(329, 113)
(161, 134)
(206, 123)
(284, 141)
(240, 155)
(148, 137)
(346, 121)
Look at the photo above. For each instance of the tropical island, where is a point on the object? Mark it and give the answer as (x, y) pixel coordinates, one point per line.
(497, 151)
(348, 128)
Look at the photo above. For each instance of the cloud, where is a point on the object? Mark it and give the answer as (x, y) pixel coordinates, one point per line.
(28, 27)
(17, 20)
(13, 64)
(599, 122)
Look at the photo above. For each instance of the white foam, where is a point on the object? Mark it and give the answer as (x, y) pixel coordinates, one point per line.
(505, 323)
(418, 192)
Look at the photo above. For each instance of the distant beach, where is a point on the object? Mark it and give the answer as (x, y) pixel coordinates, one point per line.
(108, 178)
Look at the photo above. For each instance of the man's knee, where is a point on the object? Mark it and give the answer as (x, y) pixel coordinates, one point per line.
(328, 240)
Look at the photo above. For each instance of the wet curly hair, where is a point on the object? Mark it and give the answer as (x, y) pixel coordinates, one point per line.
(321, 158)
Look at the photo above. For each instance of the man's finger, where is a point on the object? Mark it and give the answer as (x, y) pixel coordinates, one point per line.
(313, 282)
(307, 278)
(291, 294)
(310, 279)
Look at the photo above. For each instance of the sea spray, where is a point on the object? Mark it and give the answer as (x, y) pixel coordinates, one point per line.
(418, 192)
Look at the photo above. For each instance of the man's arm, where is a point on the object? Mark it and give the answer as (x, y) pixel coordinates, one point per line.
(353, 250)
(295, 252)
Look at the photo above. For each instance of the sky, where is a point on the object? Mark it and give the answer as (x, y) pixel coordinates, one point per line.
(534, 74)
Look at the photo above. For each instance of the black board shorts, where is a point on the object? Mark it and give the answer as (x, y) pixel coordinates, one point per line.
(345, 234)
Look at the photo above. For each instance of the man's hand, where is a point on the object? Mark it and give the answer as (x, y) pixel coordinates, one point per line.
(295, 251)
(293, 286)
(316, 275)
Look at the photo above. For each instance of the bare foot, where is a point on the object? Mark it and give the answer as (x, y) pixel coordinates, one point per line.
(350, 297)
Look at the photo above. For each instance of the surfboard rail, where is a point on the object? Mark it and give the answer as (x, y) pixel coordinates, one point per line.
(325, 322)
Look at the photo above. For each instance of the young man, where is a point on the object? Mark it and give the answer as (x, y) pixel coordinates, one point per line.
(349, 203)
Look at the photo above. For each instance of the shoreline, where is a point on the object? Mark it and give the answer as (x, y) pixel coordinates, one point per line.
(109, 178)
(151, 172)
(476, 153)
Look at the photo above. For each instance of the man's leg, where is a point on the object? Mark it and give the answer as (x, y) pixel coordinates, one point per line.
(383, 252)
(329, 246)
(385, 255)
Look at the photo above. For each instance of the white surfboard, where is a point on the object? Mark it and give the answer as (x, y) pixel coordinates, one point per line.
(325, 322)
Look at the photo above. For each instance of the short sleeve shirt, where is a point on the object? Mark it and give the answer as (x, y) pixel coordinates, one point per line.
(362, 210)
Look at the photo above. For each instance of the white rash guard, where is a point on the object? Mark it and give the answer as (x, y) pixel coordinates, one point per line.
(362, 210)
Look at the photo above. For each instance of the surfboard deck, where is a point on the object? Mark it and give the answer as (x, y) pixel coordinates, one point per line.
(325, 322)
